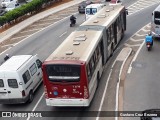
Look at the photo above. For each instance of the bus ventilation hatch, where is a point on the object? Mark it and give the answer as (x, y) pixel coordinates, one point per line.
(102, 16)
(80, 38)
(70, 52)
(76, 43)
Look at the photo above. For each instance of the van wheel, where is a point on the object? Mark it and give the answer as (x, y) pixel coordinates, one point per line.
(30, 97)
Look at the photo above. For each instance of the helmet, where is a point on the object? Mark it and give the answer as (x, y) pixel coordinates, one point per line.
(149, 34)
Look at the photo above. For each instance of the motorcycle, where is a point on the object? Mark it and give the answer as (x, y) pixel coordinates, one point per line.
(149, 42)
(73, 22)
(149, 46)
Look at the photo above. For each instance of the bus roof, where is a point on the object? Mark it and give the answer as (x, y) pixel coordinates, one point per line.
(105, 16)
(157, 8)
(94, 5)
(77, 46)
(14, 63)
(80, 44)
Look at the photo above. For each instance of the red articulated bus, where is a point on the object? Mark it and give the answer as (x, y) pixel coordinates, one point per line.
(72, 72)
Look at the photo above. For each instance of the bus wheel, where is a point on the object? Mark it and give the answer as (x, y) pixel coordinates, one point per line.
(98, 79)
(122, 34)
(30, 97)
(112, 50)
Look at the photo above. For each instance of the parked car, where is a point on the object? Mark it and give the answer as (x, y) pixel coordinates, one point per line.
(27, 1)
(5, 3)
(82, 6)
(2, 12)
(20, 76)
(115, 2)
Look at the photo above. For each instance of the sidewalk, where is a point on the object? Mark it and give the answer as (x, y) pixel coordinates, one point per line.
(16, 28)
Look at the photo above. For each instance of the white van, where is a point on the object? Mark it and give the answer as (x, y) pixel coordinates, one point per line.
(92, 9)
(19, 77)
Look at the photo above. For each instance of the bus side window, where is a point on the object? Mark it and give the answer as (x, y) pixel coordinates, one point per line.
(88, 11)
(109, 35)
(112, 31)
(94, 10)
(88, 73)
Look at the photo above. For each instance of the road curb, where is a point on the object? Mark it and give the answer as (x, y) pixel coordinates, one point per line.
(123, 56)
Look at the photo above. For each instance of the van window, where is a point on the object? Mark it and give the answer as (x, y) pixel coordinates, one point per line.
(33, 69)
(26, 76)
(12, 83)
(1, 83)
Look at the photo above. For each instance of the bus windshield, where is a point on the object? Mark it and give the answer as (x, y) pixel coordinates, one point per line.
(157, 17)
(63, 73)
(91, 11)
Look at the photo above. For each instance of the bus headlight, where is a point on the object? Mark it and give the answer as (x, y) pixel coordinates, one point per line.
(55, 93)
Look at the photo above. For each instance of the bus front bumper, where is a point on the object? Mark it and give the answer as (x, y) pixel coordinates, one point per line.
(67, 102)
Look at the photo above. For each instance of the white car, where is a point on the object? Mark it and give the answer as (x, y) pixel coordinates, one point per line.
(5, 3)
(27, 1)
(11, 7)
(115, 2)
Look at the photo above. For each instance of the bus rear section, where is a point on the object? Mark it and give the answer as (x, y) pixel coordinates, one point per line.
(155, 23)
(65, 84)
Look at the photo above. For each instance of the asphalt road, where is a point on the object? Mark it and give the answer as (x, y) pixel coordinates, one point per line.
(142, 84)
(45, 42)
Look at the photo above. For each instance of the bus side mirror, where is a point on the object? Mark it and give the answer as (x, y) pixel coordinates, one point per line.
(152, 14)
(126, 11)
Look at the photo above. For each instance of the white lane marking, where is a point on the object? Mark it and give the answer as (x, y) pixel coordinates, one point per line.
(9, 45)
(140, 35)
(102, 100)
(140, 5)
(138, 51)
(30, 30)
(135, 40)
(19, 37)
(132, 45)
(41, 24)
(48, 19)
(36, 105)
(63, 34)
(129, 70)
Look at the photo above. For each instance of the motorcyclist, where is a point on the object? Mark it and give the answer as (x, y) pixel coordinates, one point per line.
(73, 19)
(149, 38)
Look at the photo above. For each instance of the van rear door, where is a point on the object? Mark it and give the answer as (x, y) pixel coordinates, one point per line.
(13, 89)
(3, 89)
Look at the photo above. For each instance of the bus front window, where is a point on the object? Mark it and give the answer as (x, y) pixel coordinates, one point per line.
(88, 11)
(157, 17)
(63, 73)
(94, 10)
